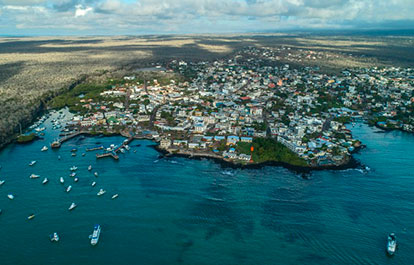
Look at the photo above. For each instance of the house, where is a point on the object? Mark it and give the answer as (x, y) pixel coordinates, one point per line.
(165, 143)
(246, 139)
(232, 140)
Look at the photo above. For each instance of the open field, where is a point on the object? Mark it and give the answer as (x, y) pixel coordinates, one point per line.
(32, 70)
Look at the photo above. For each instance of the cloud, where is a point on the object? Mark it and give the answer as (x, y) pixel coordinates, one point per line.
(82, 11)
(202, 16)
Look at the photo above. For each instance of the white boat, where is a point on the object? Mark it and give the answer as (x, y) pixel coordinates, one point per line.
(44, 148)
(73, 154)
(391, 244)
(95, 235)
(90, 167)
(127, 147)
(32, 163)
(72, 174)
(45, 181)
(54, 237)
(30, 217)
(10, 196)
(93, 184)
(2, 182)
(101, 192)
(96, 174)
(72, 206)
(62, 180)
(122, 150)
(114, 196)
(76, 179)
(74, 168)
(68, 188)
(34, 176)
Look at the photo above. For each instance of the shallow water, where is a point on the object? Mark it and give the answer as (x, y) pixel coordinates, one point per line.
(181, 211)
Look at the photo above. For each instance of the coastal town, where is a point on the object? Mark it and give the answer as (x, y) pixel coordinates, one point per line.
(247, 109)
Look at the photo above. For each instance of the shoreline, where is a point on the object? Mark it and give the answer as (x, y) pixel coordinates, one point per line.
(350, 164)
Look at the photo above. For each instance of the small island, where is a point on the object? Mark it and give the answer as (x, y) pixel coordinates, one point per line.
(26, 138)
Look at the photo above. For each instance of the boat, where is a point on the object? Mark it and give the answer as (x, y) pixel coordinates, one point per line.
(101, 192)
(44, 148)
(72, 206)
(96, 174)
(391, 244)
(34, 176)
(127, 147)
(74, 150)
(62, 180)
(68, 188)
(93, 184)
(90, 167)
(55, 144)
(54, 237)
(95, 235)
(74, 168)
(2, 182)
(76, 179)
(114, 196)
(73, 154)
(122, 150)
(72, 174)
(59, 157)
(32, 163)
(30, 217)
(45, 181)
(10, 196)
(135, 151)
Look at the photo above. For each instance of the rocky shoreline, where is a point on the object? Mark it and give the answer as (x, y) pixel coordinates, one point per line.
(349, 164)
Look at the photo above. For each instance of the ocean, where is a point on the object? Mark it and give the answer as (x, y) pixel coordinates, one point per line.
(182, 211)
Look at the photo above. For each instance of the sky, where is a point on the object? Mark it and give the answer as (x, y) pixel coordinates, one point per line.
(134, 17)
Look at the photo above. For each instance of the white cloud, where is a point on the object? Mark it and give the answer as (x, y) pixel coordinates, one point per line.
(81, 11)
(201, 16)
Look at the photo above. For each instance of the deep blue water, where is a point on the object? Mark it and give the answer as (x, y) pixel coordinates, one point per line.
(181, 211)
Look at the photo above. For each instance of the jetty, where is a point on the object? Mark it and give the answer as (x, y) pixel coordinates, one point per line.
(94, 148)
(113, 153)
(57, 143)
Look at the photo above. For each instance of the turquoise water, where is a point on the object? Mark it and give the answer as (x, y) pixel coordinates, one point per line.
(181, 211)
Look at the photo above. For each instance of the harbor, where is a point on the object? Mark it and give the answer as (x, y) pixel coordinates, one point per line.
(173, 209)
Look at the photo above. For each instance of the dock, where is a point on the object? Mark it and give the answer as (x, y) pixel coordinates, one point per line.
(95, 148)
(113, 153)
(66, 137)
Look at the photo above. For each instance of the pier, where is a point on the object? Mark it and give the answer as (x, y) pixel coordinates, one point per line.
(59, 142)
(113, 153)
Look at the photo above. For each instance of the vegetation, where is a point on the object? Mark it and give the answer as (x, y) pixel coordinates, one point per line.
(26, 138)
(270, 150)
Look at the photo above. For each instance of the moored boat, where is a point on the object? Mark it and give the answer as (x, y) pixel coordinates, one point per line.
(114, 196)
(96, 174)
(90, 167)
(2, 182)
(72, 206)
(75, 179)
(72, 174)
(101, 192)
(68, 188)
(30, 217)
(10, 196)
(34, 176)
(32, 163)
(391, 244)
(45, 181)
(62, 180)
(73, 168)
(95, 235)
(44, 148)
(54, 237)
(93, 184)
